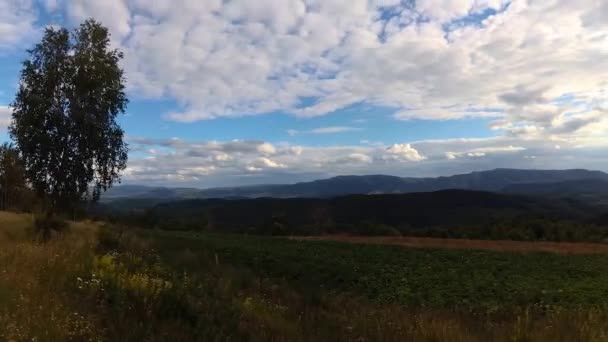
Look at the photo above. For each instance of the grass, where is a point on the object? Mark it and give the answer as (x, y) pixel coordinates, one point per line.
(100, 283)
(37, 300)
(464, 280)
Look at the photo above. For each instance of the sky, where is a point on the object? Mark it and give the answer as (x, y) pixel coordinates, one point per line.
(235, 92)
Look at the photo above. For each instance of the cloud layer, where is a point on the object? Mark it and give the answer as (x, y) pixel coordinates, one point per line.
(213, 163)
(432, 60)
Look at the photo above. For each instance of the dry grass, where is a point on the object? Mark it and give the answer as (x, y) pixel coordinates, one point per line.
(36, 282)
(491, 245)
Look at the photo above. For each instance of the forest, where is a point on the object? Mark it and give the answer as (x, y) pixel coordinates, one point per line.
(448, 214)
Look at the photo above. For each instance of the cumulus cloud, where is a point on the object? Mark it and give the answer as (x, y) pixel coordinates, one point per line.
(115, 14)
(216, 163)
(236, 161)
(403, 152)
(17, 23)
(436, 59)
(263, 163)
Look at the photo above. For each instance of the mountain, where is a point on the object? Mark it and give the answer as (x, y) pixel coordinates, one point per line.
(149, 192)
(498, 180)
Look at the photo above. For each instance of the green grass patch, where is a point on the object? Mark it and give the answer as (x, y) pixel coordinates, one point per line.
(478, 281)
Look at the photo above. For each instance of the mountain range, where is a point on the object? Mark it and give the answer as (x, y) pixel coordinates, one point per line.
(575, 182)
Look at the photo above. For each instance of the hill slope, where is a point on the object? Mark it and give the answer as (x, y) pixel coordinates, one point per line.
(493, 180)
(458, 213)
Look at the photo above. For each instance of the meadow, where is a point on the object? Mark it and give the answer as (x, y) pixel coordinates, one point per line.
(96, 282)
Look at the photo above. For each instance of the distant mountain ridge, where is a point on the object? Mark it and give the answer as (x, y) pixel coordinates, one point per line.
(497, 180)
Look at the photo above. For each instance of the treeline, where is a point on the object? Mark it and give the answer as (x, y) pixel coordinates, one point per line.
(17, 194)
(14, 193)
(448, 214)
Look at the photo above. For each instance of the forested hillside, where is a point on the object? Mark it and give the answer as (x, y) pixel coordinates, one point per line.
(450, 213)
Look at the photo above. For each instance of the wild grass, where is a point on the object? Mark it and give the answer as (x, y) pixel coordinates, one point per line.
(37, 300)
(98, 283)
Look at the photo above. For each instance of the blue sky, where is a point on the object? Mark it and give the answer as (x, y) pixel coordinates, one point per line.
(374, 124)
(240, 92)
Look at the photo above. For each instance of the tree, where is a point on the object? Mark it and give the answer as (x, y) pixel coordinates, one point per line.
(12, 178)
(64, 116)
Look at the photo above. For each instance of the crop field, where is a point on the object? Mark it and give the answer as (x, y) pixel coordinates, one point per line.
(470, 280)
(102, 283)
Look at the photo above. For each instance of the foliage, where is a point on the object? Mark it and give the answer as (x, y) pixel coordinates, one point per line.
(64, 115)
(14, 193)
(469, 280)
(446, 214)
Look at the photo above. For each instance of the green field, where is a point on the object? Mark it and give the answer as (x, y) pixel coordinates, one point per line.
(475, 281)
(102, 283)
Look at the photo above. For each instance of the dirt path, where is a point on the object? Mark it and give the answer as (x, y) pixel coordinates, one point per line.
(493, 245)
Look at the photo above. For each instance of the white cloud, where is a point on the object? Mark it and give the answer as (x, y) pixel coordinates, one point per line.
(496, 149)
(17, 20)
(237, 58)
(216, 163)
(5, 116)
(445, 114)
(484, 151)
(265, 163)
(403, 152)
(115, 14)
(523, 66)
(266, 149)
(228, 59)
(444, 10)
(334, 129)
(356, 158)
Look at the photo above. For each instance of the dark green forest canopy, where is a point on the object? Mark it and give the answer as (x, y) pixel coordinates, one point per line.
(452, 213)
